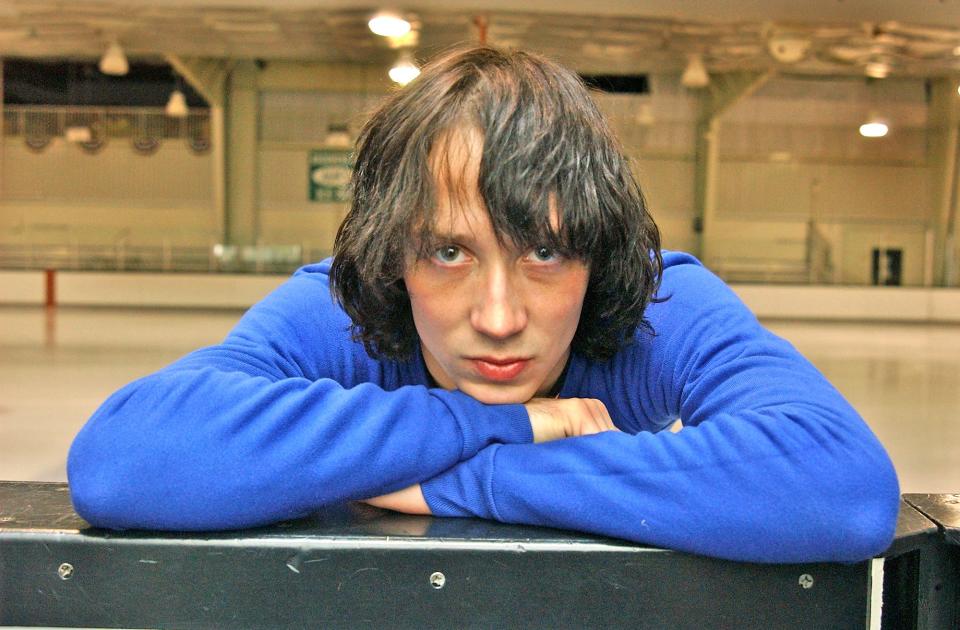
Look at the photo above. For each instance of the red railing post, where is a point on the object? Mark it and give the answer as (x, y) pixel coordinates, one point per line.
(50, 293)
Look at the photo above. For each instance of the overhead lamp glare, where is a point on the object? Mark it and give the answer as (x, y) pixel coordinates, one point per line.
(389, 25)
(695, 74)
(874, 129)
(404, 71)
(114, 61)
(177, 105)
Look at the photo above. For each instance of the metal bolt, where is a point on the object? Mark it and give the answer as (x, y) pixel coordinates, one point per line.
(437, 580)
(806, 581)
(65, 571)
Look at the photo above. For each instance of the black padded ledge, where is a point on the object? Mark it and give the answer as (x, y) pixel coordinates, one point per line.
(356, 566)
(942, 509)
(914, 531)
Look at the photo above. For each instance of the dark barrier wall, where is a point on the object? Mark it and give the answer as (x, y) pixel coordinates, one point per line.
(355, 566)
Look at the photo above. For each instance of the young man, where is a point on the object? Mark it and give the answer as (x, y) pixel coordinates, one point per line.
(503, 340)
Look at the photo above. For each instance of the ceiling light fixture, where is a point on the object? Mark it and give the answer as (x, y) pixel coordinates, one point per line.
(874, 128)
(695, 74)
(389, 25)
(405, 70)
(177, 105)
(877, 69)
(114, 61)
(788, 49)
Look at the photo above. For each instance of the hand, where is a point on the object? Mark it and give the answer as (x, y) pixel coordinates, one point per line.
(409, 500)
(558, 418)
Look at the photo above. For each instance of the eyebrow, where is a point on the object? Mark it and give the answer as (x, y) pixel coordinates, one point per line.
(437, 237)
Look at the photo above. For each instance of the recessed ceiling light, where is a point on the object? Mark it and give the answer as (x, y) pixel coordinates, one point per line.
(874, 129)
(389, 25)
(404, 71)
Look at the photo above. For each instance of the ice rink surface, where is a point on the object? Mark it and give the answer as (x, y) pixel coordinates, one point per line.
(56, 368)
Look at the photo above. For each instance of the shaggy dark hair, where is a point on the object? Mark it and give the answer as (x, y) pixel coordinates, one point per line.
(543, 140)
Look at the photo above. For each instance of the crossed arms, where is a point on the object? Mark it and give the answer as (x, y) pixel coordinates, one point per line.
(288, 415)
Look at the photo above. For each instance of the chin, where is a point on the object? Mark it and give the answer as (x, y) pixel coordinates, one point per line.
(505, 394)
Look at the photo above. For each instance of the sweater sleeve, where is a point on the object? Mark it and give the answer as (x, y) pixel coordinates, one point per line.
(772, 465)
(286, 415)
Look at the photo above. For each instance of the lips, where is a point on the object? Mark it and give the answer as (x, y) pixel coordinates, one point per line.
(494, 369)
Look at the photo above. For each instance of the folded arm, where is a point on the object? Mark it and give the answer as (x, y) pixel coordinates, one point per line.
(275, 422)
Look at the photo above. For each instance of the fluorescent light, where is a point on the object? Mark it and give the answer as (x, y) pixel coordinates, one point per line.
(874, 129)
(177, 105)
(404, 71)
(695, 74)
(389, 25)
(114, 61)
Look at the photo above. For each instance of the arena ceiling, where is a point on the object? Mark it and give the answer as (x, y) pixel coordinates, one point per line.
(833, 37)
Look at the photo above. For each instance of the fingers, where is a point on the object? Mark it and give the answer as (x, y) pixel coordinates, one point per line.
(592, 418)
(554, 419)
(602, 416)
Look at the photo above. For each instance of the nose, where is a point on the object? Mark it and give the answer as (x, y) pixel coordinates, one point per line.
(499, 308)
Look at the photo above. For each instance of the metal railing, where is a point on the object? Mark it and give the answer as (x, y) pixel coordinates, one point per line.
(815, 267)
(819, 256)
(166, 257)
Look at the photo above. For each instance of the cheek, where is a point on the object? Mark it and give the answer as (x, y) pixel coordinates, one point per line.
(561, 304)
(566, 298)
(431, 308)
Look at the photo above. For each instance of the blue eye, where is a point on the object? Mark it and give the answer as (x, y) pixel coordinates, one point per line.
(543, 254)
(448, 254)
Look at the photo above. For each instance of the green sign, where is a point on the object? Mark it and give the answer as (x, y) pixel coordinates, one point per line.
(329, 173)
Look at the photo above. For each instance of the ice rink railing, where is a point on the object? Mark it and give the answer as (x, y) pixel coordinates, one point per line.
(165, 257)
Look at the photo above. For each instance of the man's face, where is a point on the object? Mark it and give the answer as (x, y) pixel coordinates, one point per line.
(494, 321)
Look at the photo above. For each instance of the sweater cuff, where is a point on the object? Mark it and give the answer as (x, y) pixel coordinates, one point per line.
(465, 489)
(482, 425)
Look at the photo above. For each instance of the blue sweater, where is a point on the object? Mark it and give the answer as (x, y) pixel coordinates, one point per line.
(288, 414)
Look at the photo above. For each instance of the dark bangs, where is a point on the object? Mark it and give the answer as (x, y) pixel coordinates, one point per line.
(543, 142)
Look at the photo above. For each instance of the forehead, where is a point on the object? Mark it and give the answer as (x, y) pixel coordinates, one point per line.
(455, 164)
(459, 207)
(455, 169)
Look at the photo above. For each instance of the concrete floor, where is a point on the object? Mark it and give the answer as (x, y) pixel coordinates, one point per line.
(55, 369)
